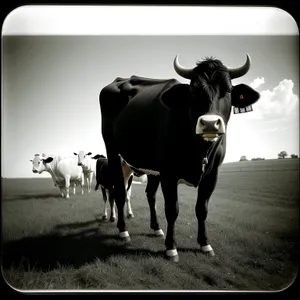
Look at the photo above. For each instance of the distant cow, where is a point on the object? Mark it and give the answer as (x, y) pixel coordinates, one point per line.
(63, 170)
(174, 130)
(88, 165)
(104, 180)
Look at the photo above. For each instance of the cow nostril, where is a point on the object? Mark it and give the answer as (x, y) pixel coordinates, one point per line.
(218, 122)
(202, 122)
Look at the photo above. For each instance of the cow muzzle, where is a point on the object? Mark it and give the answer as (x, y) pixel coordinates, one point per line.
(79, 164)
(210, 127)
(35, 171)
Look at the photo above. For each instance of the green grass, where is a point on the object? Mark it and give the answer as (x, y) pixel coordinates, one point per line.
(253, 226)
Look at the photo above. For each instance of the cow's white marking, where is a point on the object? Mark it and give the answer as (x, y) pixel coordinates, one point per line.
(123, 234)
(172, 252)
(158, 232)
(199, 126)
(146, 171)
(206, 248)
(184, 182)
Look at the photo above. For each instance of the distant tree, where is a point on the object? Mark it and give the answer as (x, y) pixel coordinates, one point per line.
(243, 158)
(258, 158)
(282, 154)
(294, 156)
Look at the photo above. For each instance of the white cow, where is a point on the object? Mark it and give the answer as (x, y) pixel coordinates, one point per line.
(88, 165)
(63, 170)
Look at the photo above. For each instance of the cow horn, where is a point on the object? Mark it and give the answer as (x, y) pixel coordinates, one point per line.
(241, 71)
(183, 72)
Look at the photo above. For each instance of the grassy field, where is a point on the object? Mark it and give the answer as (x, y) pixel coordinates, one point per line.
(253, 225)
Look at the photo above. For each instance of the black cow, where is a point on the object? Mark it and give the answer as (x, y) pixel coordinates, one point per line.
(174, 130)
(103, 179)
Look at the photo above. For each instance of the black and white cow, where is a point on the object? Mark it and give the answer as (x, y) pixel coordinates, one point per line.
(104, 180)
(149, 123)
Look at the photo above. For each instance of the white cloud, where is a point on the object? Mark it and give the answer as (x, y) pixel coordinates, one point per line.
(257, 82)
(275, 104)
(278, 103)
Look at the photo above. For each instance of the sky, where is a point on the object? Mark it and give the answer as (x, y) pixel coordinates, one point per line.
(56, 60)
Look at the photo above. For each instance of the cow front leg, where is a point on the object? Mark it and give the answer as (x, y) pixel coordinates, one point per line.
(169, 189)
(112, 206)
(205, 189)
(151, 189)
(67, 179)
(104, 194)
(90, 182)
(82, 184)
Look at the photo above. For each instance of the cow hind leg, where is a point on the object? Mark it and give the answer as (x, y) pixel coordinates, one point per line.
(128, 204)
(114, 161)
(104, 216)
(151, 189)
(62, 191)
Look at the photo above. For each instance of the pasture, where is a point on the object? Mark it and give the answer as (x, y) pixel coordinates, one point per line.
(253, 225)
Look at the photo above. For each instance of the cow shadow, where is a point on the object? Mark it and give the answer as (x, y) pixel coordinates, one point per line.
(73, 244)
(35, 196)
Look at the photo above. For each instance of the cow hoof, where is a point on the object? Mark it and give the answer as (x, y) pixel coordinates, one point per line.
(126, 239)
(172, 255)
(67, 197)
(209, 253)
(159, 232)
(124, 236)
(112, 219)
(104, 217)
(130, 216)
(207, 250)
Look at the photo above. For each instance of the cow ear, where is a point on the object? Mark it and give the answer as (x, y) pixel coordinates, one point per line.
(177, 96)
(96, 156)
(75, 153)
(243, 95)
(48, 160)
(90, 153)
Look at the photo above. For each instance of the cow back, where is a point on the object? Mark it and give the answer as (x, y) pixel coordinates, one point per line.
(68, 166)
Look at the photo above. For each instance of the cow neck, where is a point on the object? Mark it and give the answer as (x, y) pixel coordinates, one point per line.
(208, 152)
(52, 173)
